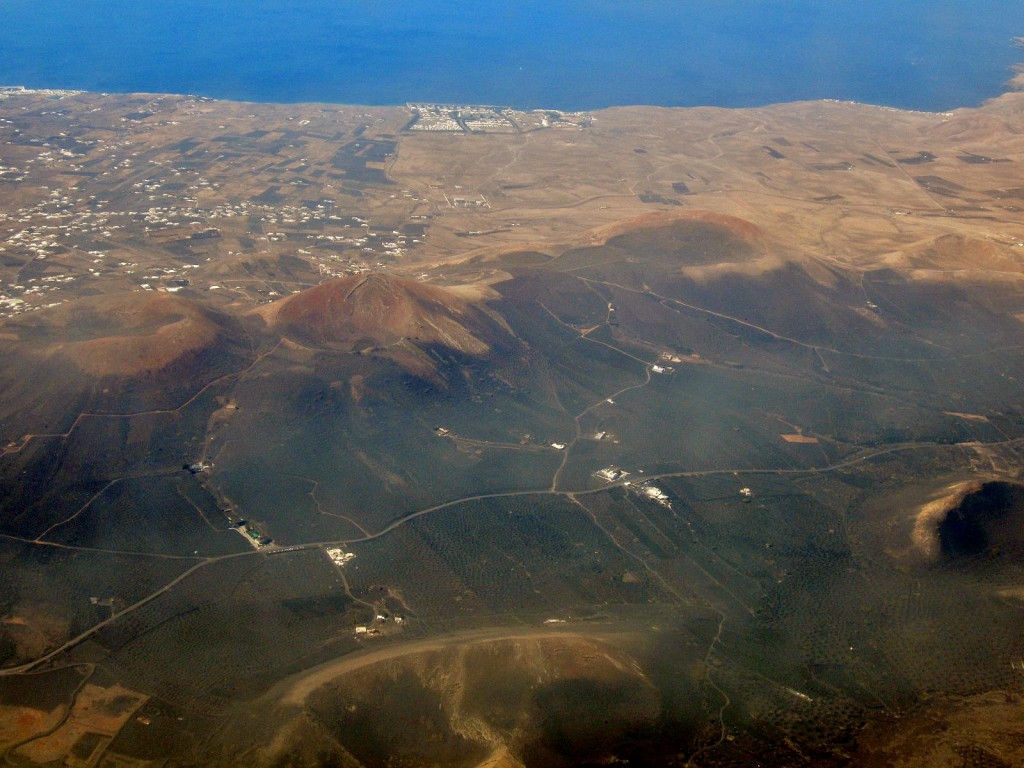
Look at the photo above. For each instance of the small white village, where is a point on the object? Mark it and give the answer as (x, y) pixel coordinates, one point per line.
(476, 118)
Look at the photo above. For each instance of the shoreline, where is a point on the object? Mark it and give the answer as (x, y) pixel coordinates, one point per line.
(1013, 85)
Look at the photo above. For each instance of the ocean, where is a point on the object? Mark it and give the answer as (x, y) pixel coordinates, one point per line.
(565, 54)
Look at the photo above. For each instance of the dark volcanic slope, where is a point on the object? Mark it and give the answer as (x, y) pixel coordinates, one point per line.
(467, 445)
(987, 520)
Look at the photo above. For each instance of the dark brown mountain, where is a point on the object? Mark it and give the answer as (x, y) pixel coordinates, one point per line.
(391, 316)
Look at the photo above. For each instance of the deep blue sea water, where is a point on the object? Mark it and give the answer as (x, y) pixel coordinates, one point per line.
(569, 54)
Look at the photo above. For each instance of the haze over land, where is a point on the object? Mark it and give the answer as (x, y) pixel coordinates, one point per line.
(471, 436)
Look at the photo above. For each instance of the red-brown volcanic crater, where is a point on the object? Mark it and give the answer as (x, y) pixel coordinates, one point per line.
(379, 311)
(124, 334)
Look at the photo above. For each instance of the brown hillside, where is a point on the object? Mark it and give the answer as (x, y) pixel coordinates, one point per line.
(469, 721)
(741, 229)
(378, 311)
(128, 333)
(958, 253)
